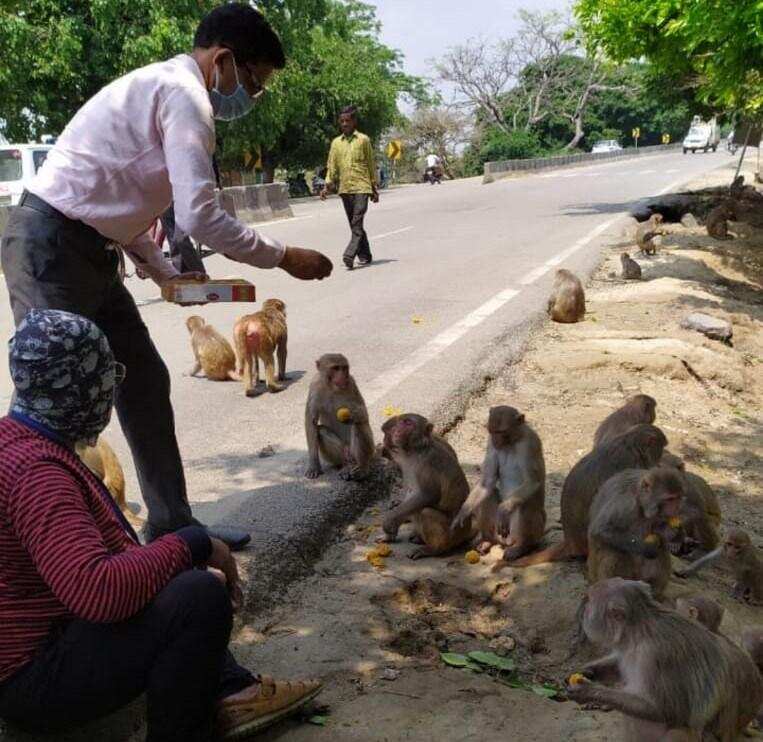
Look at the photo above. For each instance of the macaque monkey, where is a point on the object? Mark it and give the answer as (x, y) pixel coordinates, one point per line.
(347, 443)
(646, 232)
(674, 679)
(509, 501)
(435, 486)
(702, 610)
(640, 408)
(700, 519)
(213, 353)
(262, 335)
(567, 300)
(631, 269)
(638, 448)
(738, 552)
(752, 642)
(103, 462)
(629, 517)
(716, 221)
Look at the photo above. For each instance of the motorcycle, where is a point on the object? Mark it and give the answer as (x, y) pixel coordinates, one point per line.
(433, 175)
(297, 185)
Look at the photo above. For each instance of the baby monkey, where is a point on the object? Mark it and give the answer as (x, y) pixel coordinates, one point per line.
(509, 501)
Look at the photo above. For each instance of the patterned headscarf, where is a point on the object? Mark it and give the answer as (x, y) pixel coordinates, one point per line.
(64, 373)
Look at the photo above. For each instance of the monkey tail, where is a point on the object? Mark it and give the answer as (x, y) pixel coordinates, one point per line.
(555, 553)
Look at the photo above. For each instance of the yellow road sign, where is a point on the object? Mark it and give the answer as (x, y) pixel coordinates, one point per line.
(395, 149)
(666, 138)
(636, 133)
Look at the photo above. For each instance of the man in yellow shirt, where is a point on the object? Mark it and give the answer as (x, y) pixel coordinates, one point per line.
(352, 172)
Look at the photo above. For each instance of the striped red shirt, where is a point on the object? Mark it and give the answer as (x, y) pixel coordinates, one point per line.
(63, 552)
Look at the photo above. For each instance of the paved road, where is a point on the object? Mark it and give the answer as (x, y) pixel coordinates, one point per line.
(459, 269)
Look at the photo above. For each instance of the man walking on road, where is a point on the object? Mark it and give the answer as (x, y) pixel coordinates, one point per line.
(352, 173)
(139, 144)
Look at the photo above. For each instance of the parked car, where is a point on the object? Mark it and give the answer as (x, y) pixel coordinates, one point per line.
(702, 135)
(606, 145)
(18, 165)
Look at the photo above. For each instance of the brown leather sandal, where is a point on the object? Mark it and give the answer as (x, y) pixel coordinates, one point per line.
(263, 704)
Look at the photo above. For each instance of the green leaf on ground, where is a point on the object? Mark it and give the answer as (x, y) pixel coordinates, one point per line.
(492, 660)
(454, 660)
(546, 691)
(319, 721)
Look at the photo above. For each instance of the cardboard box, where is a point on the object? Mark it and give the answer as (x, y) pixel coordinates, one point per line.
(226, 289)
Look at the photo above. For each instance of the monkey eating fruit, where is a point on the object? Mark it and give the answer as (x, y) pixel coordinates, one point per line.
(567, 300)
(212, 352)
(435, 485)
(261, 335)
(347, 442)
(577, 678)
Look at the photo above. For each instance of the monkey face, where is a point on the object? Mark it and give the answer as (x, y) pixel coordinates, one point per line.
(736, 542)
(504, 425)
(407, 431)
(339, 376)
(335, 370)
(276, 304)
(194, 323)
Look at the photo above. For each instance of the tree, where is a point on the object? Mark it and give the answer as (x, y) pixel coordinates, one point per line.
(713, 48)
(437, 130)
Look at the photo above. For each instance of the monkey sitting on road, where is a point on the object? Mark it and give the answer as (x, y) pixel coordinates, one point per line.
(640, 447)
(213, 353)
(738, 552)
(435, 485)
(630, 516)
(336, 421)
(675, 680)
(646, 232)
(261, 335)
(631, 269)
(567, 300)
(716, 221)
(509, 501)
(640, 408)
(103, 462)
(702, 610)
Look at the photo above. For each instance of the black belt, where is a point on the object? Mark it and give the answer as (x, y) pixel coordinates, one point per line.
(35, 202)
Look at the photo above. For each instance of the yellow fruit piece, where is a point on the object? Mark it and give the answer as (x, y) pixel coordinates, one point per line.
(674, 522)
(577, 678)
(652, 538)
(390, 411)
(344, 415)
(375, 560)
(418, 320)
(472, 557)
(383, 550)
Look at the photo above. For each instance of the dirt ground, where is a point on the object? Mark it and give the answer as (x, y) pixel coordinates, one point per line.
(375, 636)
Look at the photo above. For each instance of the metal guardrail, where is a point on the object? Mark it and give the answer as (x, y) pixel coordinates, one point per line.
(494, 170)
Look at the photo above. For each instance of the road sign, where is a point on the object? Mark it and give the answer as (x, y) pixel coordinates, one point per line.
(395, 149)
(636, 133)
(666, 138)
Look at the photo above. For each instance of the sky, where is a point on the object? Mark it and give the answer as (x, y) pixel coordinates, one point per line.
(424, 29)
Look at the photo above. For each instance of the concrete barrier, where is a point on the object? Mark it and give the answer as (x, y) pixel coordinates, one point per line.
(495, 170)
(5, 213)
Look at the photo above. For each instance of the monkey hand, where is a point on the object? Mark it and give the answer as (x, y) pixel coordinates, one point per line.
(375, 196)
(390, 527)
(461, 518)
(579, 688)
(221, 559)
(324, 193)
(306, 265)
(313, 471)
(503, 524)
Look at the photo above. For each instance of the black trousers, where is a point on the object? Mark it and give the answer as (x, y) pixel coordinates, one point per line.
(175, 650)
(356, 206)
(51, 262)
(183, 254)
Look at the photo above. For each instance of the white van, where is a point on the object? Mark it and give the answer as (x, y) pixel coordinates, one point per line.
(18, 165)
(702, 135)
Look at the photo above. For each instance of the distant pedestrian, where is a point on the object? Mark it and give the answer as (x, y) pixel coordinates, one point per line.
(352, 173)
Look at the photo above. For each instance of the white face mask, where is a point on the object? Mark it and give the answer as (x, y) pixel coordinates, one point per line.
(233, 106)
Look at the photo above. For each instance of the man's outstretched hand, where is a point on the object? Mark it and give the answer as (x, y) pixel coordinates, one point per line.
(307, 265)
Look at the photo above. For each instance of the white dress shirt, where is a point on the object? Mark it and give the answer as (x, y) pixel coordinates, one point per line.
(433, 160)
(142, 142)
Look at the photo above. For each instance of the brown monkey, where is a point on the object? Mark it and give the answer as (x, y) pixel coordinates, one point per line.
(638, 448)
(700, 519)
(567, 300)
(739, 553)
(640, 408)
(261, 335)
(701, 609)
(646, 232)
(213, 353)
(347, 442)
(716, 221)
(435, 484)
(752, 642)
(103, 462)
(509, 501)
(631, 269)
(628, 520)
(675, 679)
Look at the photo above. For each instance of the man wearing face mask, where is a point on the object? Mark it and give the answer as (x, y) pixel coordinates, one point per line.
(140, 143)
(90, 618)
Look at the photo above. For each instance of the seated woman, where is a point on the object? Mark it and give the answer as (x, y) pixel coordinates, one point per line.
(89, 618)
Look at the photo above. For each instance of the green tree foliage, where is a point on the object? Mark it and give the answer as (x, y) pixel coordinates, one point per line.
(712, 47)
(56, 55)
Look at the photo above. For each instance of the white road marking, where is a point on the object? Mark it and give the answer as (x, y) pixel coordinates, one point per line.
(389, 234)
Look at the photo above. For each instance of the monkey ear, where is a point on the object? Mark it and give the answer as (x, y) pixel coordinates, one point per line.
(430, 428)
(521, 420)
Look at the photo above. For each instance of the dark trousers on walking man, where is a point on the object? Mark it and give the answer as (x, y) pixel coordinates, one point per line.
(356, 206)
